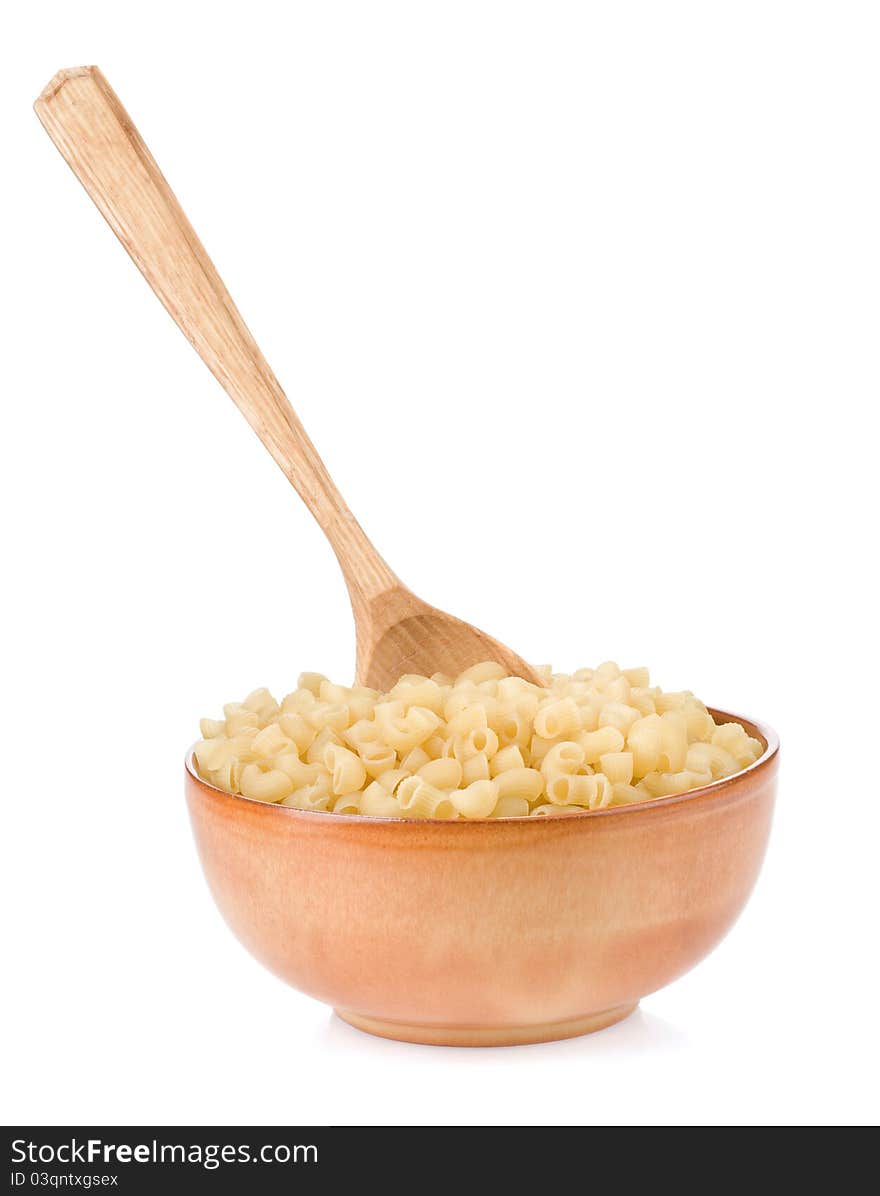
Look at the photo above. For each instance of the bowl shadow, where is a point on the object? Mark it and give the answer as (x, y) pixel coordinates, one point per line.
(640, 1033)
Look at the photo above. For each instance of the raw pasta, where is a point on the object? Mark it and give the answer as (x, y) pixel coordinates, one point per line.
(481, 745)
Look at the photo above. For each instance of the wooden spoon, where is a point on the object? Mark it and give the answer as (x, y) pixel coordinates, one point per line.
(397, 632)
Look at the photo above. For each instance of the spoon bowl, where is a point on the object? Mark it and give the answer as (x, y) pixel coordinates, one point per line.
(418, 637)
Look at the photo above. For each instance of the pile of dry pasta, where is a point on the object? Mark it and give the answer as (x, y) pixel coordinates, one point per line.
(482, 745)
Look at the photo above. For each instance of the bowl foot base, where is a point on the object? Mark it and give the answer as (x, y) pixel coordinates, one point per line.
(487, 1035)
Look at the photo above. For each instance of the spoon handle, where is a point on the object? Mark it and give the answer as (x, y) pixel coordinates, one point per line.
(96, 136)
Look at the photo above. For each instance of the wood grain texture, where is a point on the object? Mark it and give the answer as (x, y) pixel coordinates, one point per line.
(396, 631)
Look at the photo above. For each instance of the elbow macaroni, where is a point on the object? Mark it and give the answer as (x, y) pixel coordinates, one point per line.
(482, 745)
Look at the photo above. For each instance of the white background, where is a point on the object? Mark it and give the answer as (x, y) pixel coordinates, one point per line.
(580, 303)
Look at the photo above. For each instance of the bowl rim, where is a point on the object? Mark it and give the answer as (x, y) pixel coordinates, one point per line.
(714, 790)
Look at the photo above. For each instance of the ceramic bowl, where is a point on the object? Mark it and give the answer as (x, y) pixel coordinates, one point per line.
(490, 932)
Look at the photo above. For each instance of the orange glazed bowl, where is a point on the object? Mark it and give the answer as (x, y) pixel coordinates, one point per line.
(494, 931)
